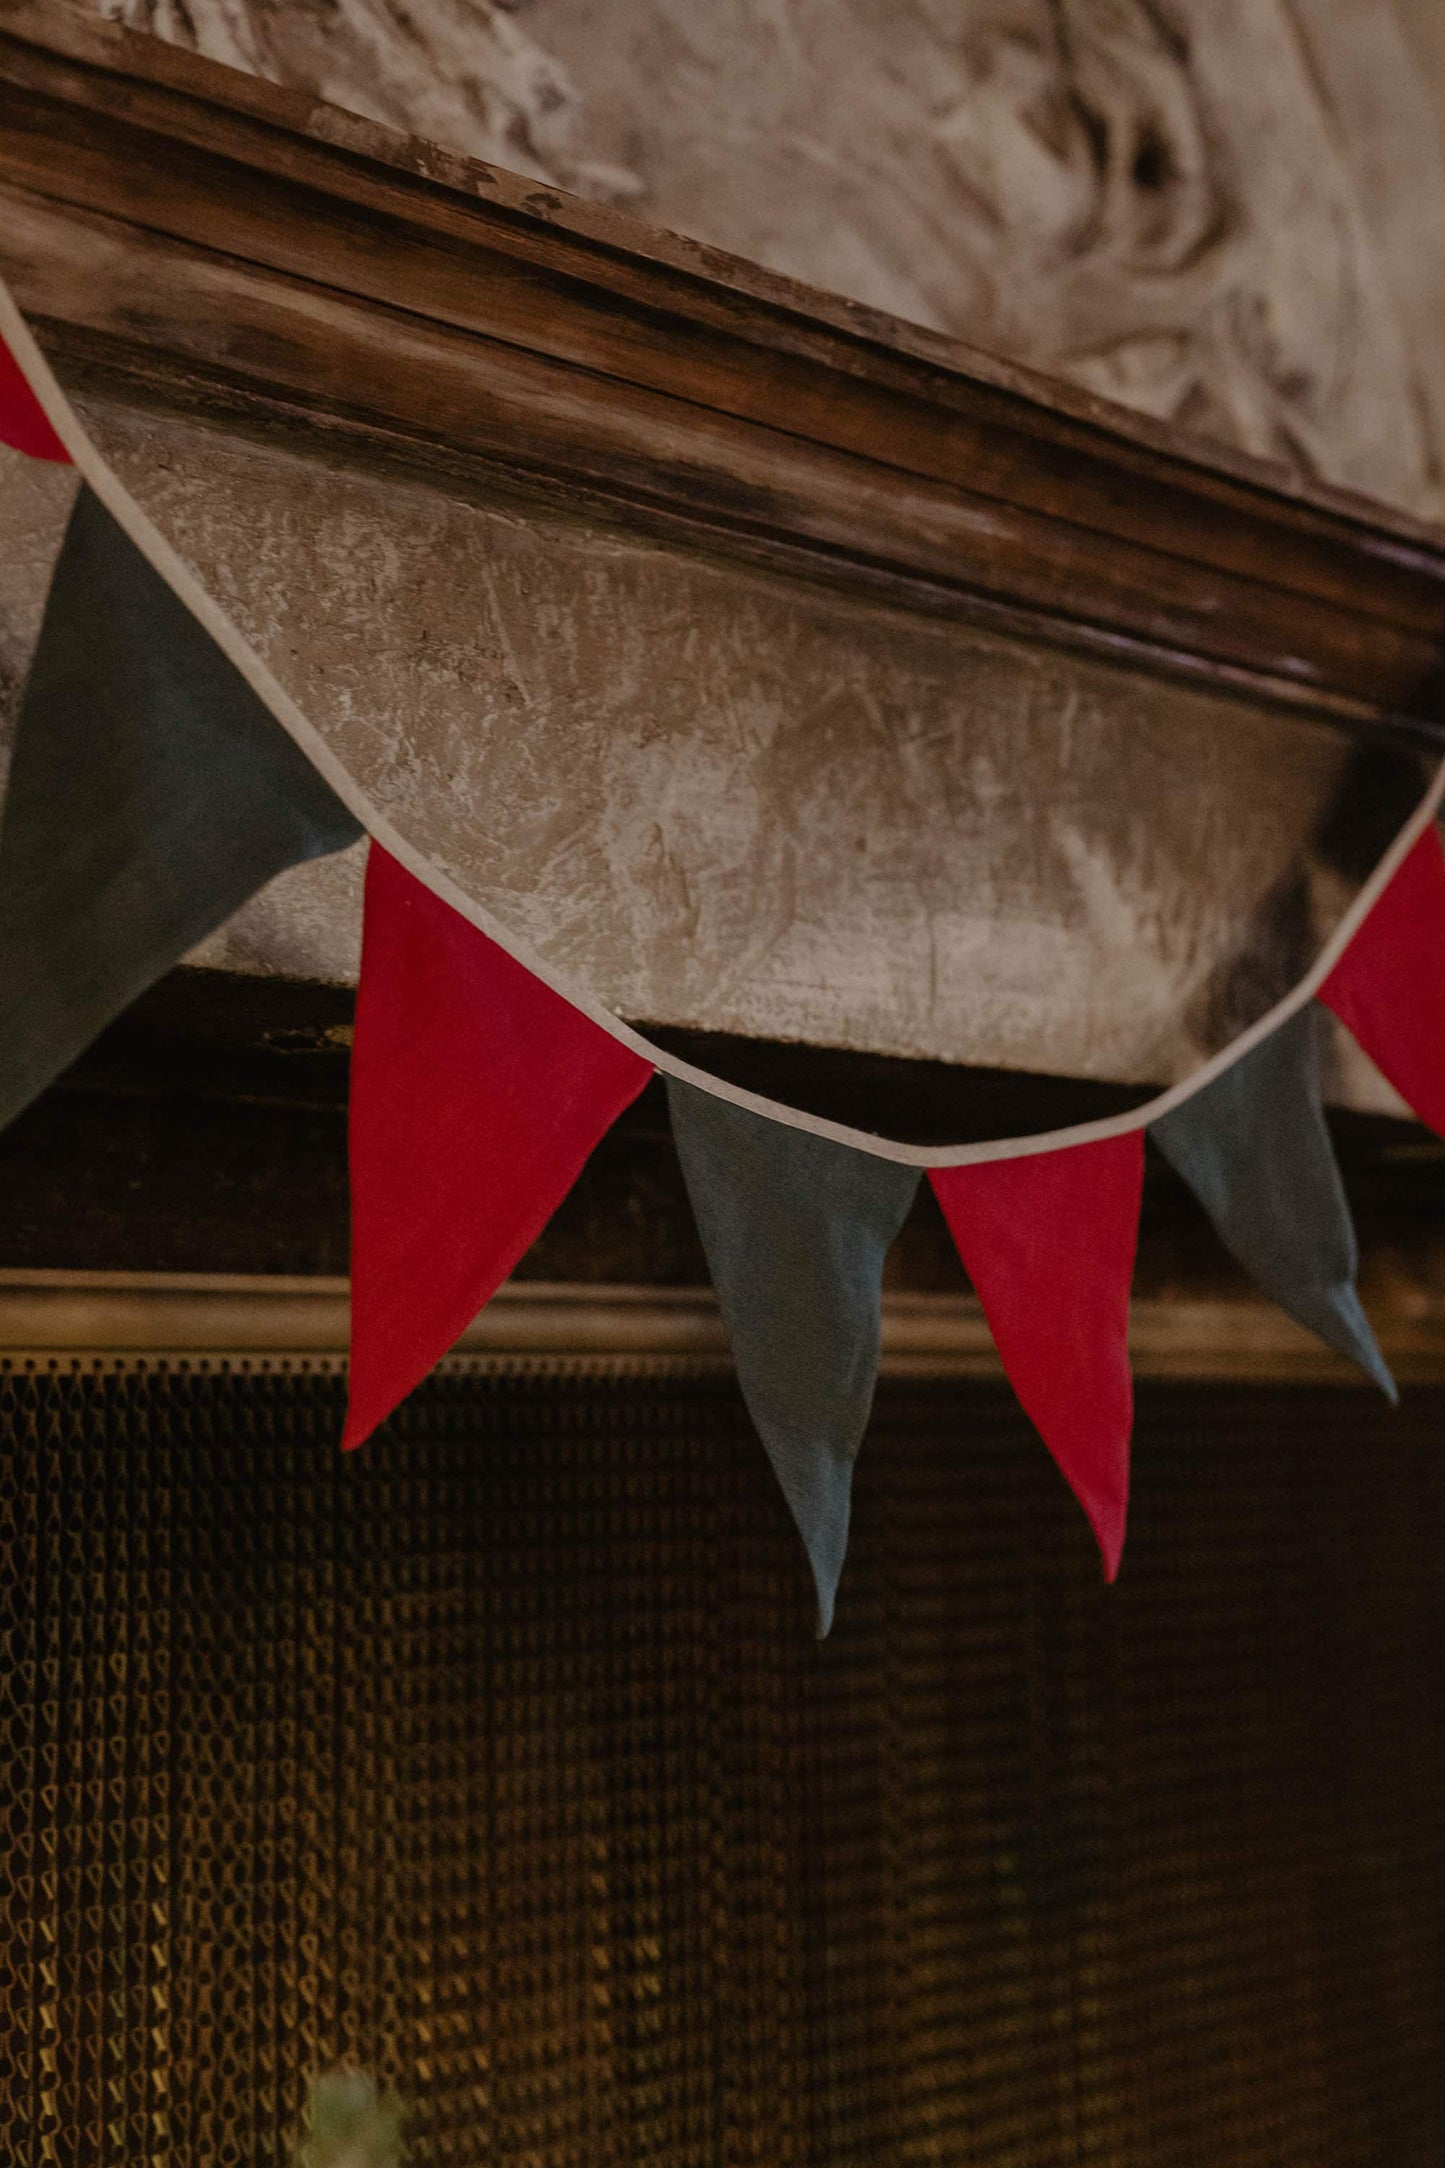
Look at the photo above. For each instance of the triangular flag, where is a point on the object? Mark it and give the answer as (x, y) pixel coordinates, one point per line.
(476, 1095)
(150, 794)
(796, 1228)
(1048, 1241)
(24, 425)
(1389, 986)
(1254, 1148)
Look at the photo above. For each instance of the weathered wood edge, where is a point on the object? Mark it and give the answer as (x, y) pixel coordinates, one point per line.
(66, 30)
(230, 231)
(63, 29)
(196, 1320)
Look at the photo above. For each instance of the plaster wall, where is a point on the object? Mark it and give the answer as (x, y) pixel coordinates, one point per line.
(735, 802)
(731, 803)
(1223, 212)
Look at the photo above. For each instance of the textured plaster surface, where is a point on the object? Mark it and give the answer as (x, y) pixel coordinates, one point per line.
(731, 802)
(1225, 212)
(726, 803)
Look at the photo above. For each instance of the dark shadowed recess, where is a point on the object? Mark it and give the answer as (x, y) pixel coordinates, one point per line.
(914, 1102)
(206, 1132)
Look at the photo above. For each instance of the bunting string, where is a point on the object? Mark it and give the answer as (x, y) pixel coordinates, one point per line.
(159, 779)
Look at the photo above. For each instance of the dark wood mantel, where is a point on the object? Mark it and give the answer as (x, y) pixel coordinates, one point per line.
(197, 229)
(198, 236)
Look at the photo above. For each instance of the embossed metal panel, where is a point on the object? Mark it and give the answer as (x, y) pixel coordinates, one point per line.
(500, 1758)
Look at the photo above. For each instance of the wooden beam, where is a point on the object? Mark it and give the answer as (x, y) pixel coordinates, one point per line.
(286, 1321)
(242, 245)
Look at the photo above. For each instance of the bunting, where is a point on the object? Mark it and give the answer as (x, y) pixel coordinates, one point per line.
(1388, 988)
(1254, 1148)
(476, 1096)
(1048, 1241)
(150, 794)
(153, 788)
(796, 1229)
(24, 424)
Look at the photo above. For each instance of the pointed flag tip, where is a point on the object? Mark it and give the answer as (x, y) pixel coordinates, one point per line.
(1379, 1373)
(361, 1423)
(1106, 1509)
(1361, 1344)
(825, 1540)
(1109, 1535)
(1342, 1323)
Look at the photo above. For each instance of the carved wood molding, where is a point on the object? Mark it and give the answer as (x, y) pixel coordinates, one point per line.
(260, 1320)
(238, 244)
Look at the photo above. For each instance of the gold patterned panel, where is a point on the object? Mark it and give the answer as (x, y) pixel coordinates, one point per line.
(499, 1759)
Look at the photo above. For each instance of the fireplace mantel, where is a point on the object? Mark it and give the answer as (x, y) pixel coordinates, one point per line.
(846, 688)
(175, 224)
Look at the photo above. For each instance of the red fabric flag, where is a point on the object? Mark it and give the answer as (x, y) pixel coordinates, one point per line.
(1389, 986)
(23, 423)
(1048, 1242)
(476, 1095)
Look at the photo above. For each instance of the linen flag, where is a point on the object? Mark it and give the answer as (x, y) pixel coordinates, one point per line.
(1388, 988)
(796, 1229)
(1254, 1148)
(150, 794)
(24, 424)
(1048, 1241)
(477, 1093)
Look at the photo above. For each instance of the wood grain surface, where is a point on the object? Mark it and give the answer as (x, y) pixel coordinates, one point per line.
(246, 237)
(1221, 212)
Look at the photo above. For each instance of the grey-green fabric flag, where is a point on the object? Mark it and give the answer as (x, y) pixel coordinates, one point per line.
(796, 1229)
(151, 792)
(1254, 1148)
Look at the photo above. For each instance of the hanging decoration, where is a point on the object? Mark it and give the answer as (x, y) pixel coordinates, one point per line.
(796, 1229)
(1048, 1241)
(476, 1096)
(24, 424)
(150, 794)
(161, 777)
(1254, 1148)
(1388, 989)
